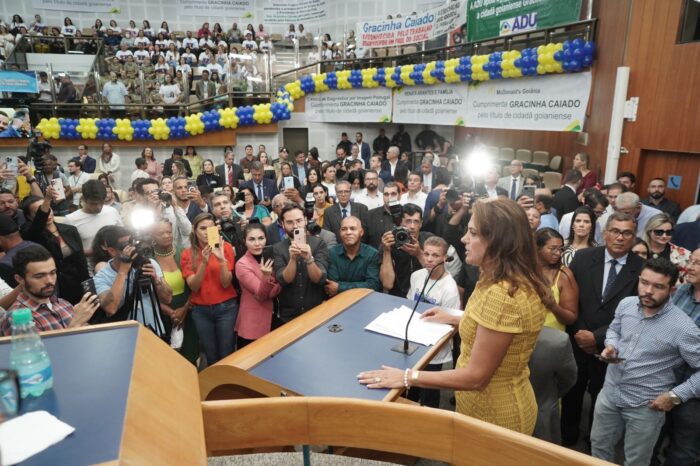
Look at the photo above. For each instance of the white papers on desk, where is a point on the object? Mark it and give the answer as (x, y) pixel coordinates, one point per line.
(393, 324)
(29, 434)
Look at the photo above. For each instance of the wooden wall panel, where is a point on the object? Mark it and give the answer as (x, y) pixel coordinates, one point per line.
(653, 164)
(666, 78)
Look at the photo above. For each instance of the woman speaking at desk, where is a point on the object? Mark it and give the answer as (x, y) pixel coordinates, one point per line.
(499, 327)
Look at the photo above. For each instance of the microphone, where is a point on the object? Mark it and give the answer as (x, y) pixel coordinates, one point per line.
(406, 347)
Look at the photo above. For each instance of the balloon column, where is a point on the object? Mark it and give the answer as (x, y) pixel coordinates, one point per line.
(562, 57)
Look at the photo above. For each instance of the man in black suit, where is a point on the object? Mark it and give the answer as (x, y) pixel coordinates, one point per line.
(365, 151)
(230, 172)
(300, 168)
(565, 200)
(432, 175)
(605, 275)
(176, 157)
(264, 188)
(392, 168)
(381, 143)
(343, 208)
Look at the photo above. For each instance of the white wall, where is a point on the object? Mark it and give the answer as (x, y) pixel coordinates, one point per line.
(341, 15)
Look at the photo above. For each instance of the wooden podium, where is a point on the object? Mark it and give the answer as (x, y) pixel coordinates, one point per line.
(131, 398)
(319, 353)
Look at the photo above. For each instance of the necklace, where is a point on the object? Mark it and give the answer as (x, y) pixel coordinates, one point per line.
(164, 254)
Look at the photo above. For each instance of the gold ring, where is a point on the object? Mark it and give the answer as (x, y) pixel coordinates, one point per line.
(377, 379)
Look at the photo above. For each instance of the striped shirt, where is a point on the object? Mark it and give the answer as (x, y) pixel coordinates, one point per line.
(685, 300)
(55, 315)
(652, 347)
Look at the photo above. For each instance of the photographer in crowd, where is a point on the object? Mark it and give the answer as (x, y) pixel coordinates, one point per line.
(122, 284)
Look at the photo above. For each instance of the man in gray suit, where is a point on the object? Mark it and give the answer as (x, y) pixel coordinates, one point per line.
(552, 374)
(513, 183)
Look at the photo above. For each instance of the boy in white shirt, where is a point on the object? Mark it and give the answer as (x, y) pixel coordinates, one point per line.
(140, 171)
(440, 290)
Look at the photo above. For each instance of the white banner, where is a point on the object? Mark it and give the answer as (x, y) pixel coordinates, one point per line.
(293, 11)
(242, 9)
(85, 6)
(443, 104)
(412, 29)
(542, 103)
(350, 106)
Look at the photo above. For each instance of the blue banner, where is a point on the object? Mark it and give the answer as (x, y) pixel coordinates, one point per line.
(19, 81)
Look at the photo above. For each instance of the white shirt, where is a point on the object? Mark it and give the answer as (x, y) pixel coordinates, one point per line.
(142, 40)
(76, 182)
(443, 293)
(115, 94)
(68, 31)
(139, 173)
(249, 44)
(122, 54)
(419, 199)
(205, 58)
(170, 95)
(372, 202)
(142, 56)
(428, 180)
(621, 261)
(190, 42)
(89, 224)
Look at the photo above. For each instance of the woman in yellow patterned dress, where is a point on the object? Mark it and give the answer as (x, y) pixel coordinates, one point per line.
(499, 327)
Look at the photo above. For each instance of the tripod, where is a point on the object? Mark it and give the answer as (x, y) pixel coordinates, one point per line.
(144, 285)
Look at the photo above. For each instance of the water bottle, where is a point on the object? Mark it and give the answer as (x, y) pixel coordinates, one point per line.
(28, 356)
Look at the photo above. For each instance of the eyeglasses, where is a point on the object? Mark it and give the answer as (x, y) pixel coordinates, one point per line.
(663, 232)
(627, 234)
(555, 249)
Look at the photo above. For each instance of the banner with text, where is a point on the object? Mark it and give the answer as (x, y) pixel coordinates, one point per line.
(444, 104)
(412, 29)
(493, 18)
(18, 81)
(242, 9)
(543, 103)
(350, 106)
(84, 6)
(294, 11)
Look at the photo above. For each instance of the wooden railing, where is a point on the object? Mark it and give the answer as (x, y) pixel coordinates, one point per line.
(235, 425)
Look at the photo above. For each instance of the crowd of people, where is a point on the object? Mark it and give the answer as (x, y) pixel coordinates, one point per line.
(587, 289)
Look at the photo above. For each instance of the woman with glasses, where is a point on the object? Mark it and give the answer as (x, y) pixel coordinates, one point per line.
(208, 271)
(658, 235)
(258, 287)
(178, 311)
(581, 234)
(550, 246)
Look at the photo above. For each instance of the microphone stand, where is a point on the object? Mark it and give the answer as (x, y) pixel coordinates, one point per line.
(406, 347)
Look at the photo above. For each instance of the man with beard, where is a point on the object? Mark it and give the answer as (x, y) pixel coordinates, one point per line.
(657, 199)
(646, 341)
(10, 243)
(35, 271)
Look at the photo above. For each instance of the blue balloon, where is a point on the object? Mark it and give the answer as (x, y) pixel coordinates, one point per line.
(558, 55)
(589, 49)
(577, 43)
(587, 60)
(331, 80)
(567, 44)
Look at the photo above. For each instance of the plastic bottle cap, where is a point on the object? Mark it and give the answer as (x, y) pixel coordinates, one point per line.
(21, 316)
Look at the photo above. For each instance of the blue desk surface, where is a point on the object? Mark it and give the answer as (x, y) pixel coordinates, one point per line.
(92, 373)
(323, 363)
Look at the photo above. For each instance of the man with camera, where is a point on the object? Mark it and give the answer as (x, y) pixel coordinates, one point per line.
(50, 175)
(148, 196)
(35, 272)
(448, 219)
(188, 198)
(301, 262)
(230, 224)
(383, 219)
(125, 286)
(402, 249)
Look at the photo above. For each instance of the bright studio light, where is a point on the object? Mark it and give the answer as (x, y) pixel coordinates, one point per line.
(142, 219)
(477, 163)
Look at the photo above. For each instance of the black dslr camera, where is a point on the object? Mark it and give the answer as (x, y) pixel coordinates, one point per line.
(311, 226)
(36, 151)
(401, 234)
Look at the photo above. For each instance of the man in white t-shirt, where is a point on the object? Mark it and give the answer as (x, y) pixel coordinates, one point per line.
(249, 43)
(115, 92)
(141, 55)
(190, 42)
(123, 53)
(415, 194)
(93, 215)
(440, 290)
(76, 179)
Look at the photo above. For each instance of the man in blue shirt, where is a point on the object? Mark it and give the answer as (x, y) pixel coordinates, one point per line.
(651, 337)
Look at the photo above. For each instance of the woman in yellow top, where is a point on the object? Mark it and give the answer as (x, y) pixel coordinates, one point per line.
(168, 257)
(550, 246)
(499, 327)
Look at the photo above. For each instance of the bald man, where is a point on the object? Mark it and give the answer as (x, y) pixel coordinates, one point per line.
(352, 264)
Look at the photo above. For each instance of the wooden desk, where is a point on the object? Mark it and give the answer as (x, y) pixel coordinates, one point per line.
(130, 397)
(304, 358)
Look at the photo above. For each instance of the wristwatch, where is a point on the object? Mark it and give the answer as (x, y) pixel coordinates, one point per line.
(674, 398)
(414, 376)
